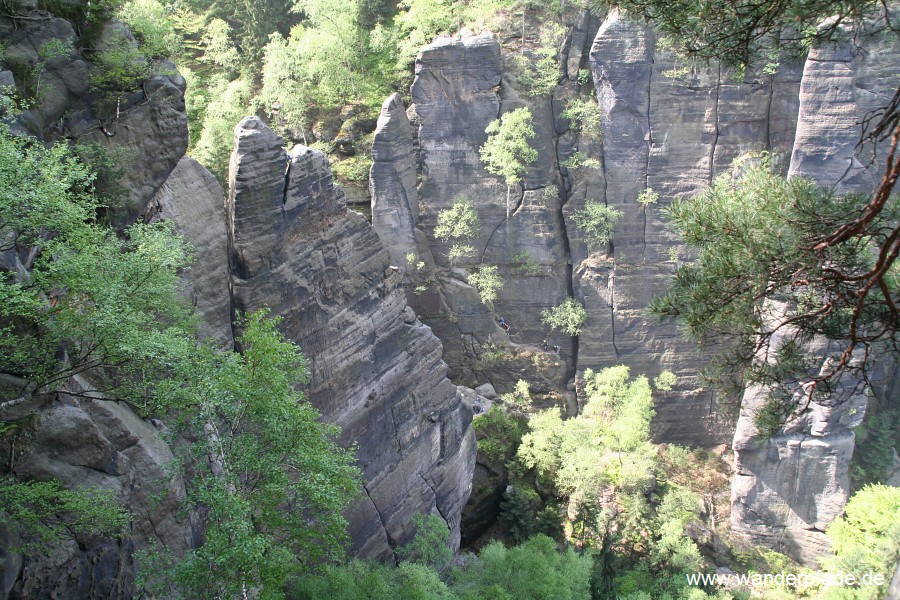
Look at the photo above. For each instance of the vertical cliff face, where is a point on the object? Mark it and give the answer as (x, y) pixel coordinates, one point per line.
(667, 125)
(375, 370)
(787, 488)
(673, 130)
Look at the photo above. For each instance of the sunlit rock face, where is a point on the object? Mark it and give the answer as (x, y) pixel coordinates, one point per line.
(789, 487)
(375, 370)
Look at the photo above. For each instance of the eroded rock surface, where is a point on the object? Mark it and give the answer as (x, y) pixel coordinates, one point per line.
(788, 487)
(96, 443)
(194, 201)
(144, 130)
(375, 370)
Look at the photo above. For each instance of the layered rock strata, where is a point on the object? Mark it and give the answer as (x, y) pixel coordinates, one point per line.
(671, 128)
(789, 486)
(375, 370)
(666, 126)
(193, 200)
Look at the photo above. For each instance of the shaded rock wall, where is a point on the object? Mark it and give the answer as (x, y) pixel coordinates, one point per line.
(375, 370)
(95, 443)
(193, 200)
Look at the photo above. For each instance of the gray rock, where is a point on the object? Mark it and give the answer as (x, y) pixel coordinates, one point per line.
(487, 390)
(153, 133)
(296, 248)
(84, 442)
(674, 133)
(192, 198)
(787, 488)
(392, 185)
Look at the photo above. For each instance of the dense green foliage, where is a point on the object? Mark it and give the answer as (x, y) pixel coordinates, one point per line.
(487, 280)
(597, 221)
(459, 226)
(277, 483)
(534, 570)
(756, 239)
(42, 513)
(567, 317)
(867, 538)
(109, 302)
(499, 434)
(603, 466)
(506, 151)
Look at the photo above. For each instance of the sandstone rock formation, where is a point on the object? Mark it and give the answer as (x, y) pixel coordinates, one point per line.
(667, 125)
(145, 129)
(787, 488)
(375, 370)
(193, 200)
(666, 128)
(97, 443)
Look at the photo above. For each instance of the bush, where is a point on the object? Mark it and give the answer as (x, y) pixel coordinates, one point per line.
(665, 381)
(488, 282)
(459, 225)
(597, 222)
(567, 317)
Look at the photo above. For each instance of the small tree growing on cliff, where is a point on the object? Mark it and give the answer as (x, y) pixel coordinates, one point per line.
(488, 282)
(506, 151)
(458, 224)
(568, 316)
(597, 222)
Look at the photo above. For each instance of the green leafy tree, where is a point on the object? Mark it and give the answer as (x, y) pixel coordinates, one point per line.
(517, 516)
(498, 433)
(151, 23)
(229, 103)
(431, 545)
(867, 538)
(488, 282)
(757, 238)
(458, 225)
(597, 221)
(665, 381)
(90, 300)
(506, 152)
(584, 115)
(277, 482)
(43, 513)
(359, 580)
(520, 397)
(531, 571)
(567, 317)
(540, 76)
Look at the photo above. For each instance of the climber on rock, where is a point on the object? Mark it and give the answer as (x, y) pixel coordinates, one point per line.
(504, 324)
